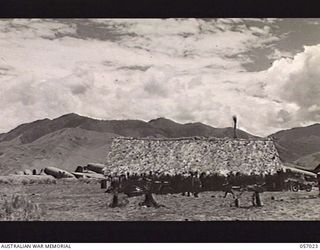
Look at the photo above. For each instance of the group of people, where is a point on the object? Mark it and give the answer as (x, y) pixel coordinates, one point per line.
(192, 183)
(186, 184)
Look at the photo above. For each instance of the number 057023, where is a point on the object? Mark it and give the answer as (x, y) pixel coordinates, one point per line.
(312, 245)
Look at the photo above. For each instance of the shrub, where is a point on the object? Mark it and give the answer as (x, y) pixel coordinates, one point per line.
(20, 208)
(27, 179)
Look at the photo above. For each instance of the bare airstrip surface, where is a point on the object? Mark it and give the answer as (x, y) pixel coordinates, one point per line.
(80, 201)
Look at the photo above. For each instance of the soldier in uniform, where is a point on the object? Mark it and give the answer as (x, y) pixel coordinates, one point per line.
(257, 189)
(115, 188)
(228, 185)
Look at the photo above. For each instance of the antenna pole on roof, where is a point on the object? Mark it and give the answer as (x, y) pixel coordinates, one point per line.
(234, 127)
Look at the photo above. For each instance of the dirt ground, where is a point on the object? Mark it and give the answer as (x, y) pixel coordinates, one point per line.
(78, 201)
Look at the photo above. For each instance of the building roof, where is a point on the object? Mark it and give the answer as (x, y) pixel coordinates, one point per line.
(180, 155)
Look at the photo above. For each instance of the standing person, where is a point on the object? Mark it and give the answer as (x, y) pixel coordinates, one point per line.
(280, 179)
(189, 183)
(115, 186)
(122, 180)
(227, 186)
(150, 176)
(203, 177)
(238, 180)
(196, 184)
(228, 189)
(174, 185)
(318, 178)
(256, 200)
(268, 180)
(184, 184)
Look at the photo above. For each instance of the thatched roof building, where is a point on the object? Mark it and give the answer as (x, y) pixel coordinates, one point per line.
(182, 155)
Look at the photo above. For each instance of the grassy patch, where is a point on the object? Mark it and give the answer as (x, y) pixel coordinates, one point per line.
(27, 179)
(20, 208)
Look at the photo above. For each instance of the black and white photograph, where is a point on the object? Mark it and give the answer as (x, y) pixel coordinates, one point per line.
(171, 119)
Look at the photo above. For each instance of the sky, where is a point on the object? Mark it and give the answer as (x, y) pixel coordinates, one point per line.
(264, 71)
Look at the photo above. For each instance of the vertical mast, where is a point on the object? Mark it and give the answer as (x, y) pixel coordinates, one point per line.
(234, 127)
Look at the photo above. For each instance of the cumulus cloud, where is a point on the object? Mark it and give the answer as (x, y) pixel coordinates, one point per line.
(191, 38)
(34, 28)
(26, 98)
(278, 54)
(295, 82)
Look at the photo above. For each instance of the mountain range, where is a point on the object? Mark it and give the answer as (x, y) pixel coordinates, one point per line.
(300, 146)
(72, 140)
